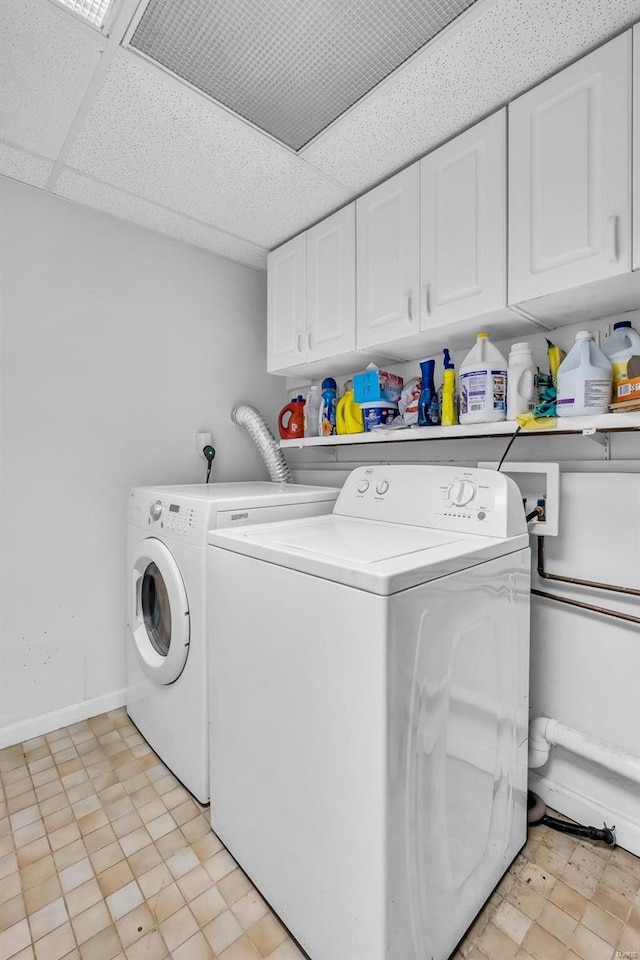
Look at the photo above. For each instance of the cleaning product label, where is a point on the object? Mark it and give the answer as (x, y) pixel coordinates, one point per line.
(472, 391)
(499, 378)
(597, 393)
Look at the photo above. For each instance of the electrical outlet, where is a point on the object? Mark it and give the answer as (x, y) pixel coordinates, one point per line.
(202, 440)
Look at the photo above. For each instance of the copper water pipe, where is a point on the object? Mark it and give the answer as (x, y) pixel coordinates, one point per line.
(582, 583)
(587, 606)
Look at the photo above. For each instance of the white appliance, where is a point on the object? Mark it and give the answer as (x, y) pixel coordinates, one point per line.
(166, 607)
(369, 708)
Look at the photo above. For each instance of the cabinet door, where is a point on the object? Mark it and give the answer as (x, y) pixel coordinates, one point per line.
(388, 268)
(636, 147)
(286, 304)
(569, 176)
(463, 198)
(331, 285)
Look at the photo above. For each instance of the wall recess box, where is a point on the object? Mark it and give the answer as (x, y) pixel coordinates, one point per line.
(536, 480)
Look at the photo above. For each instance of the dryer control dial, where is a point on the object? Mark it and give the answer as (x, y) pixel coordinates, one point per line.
(155, 510)
(462, 492)
(382, 487)
(363, 487)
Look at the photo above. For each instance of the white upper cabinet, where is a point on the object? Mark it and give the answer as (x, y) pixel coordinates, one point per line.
(570, 176)
(464, 225)
(636, 147)
(388, 261)
(286, 304)
(331, 286)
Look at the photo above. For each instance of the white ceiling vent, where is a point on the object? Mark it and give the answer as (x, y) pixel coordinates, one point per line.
(95, 11)
(289, 67)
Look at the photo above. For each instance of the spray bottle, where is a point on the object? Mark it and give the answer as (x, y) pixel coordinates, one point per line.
(428, 412)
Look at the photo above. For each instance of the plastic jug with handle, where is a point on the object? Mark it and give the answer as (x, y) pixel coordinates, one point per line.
(349, 413)
(291, 420)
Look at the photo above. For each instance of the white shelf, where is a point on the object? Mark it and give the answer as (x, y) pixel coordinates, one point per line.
(606, 424)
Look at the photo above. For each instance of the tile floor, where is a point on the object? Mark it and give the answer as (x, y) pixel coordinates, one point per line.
(104, 855)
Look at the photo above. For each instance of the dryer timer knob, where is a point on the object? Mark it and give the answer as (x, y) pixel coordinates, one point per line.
(155, 510)
(462, 492)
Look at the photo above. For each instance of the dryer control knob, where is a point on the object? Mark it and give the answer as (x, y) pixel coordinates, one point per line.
(382, 487)
(155, 510)
(462, 492)
(363, 487)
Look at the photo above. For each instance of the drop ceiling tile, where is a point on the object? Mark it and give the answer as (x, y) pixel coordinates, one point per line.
(24, 166)
(100, 196)
(48, 59)
(153, 136)
(491, 55)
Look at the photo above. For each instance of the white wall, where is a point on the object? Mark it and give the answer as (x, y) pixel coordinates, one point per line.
(118, 345)
(584, 667)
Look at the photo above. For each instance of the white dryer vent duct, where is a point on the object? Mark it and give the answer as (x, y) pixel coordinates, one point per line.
(248, 417)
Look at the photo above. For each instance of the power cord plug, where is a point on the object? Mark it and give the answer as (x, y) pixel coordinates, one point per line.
(209, 454)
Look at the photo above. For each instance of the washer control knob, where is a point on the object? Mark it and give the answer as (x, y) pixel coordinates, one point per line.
(462, 492)
(363, 487)
(155, 510)
(382, 487)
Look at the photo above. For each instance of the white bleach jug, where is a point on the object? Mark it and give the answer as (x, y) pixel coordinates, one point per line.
(522, 381)
(584, 380)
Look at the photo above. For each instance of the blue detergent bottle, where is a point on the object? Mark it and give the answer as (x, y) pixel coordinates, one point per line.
(428, 407)
(328, 403)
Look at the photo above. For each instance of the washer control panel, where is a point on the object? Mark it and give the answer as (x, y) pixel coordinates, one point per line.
(482, 502)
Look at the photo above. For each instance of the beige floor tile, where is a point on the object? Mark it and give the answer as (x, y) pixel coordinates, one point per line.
(222, 931)
(127, 824)
(92, 821)
(150, 947)
(626, 861)
(142, 860)
(124, 900)
(171, 842)
(250, 908)
(48, 918)
(152, 810)
(14, 938)
(103, 946)
(33, 852)
(178, 928)
(166, 902)
(161, 826)
(621, 881)
(73, 852)
(106, 857)
(8, 864)
(153, 881)
(36, 873)
(42, 893)
(58, 819)
(100, 838)
(83, 897)
(75, 875)
(184, 813)
(207, 906)
(268, 933)
(65, 835)
(115, 878)
(568, 900)
(182, 862)
(10, 887)
(589, 946)
(220, 865)
(634, 917)
(12, 911)
(542, 945)
(240, 949)
(629, 942)
(56, 944)
(492, 943)
(289, 951)
(194, 883)
(574, 876)
(90, 922)
(611, 901)
(602, 923)
(134, 925)
(511, 921)
(555, 921)
(234, 885)
(24, 817)
(207, 847)
(195, 829)
(135, 841)
(536, 878)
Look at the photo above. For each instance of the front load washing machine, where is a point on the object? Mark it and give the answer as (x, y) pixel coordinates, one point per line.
(166, 605)
(382, 710)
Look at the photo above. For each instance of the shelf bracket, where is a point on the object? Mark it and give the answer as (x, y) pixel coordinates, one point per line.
(598, 437)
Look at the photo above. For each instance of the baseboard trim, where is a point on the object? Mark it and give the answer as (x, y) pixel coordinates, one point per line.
(586, 810)
(48, 722)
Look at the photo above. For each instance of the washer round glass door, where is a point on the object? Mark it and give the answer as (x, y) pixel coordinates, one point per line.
(159, 612)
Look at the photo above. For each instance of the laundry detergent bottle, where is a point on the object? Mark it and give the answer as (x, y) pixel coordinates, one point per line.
(349, 417)
(328, 403)
(483, 383)
(428, 410)
(584, 380)
(312, 412)
(623, 344)
(522, 381)
(291, 420)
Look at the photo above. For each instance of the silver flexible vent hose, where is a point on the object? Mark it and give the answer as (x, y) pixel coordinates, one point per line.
(250, 418)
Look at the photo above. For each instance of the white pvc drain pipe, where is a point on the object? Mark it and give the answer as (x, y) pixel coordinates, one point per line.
(545, 733)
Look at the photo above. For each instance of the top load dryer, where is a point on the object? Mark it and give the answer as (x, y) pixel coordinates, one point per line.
(376, 688)
(166, 605)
